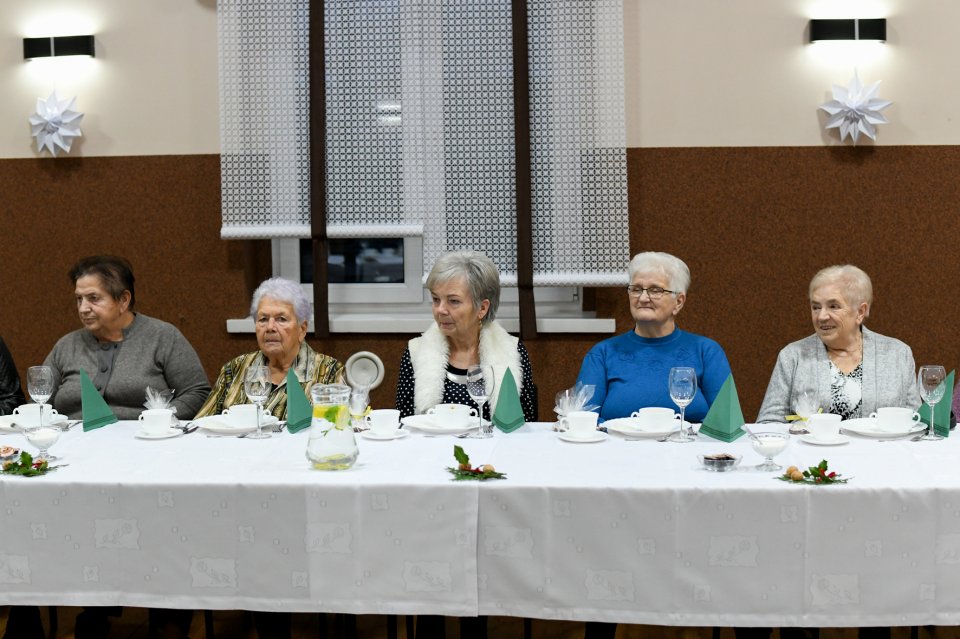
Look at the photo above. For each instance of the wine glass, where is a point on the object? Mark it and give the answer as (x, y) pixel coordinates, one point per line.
(930, 381)
(256, 383)
(40, 386)
(480, 383)
(683, 388)
(358, 403)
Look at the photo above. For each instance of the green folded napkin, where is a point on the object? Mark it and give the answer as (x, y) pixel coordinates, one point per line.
(941, 410)
(724, 419)
(96, 413)
(508, 416)
(299, 411)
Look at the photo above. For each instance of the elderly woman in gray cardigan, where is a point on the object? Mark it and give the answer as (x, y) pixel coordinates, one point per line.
(852, 370)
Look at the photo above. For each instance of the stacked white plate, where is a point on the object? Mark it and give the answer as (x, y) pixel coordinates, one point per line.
(866, 427)
(233, 424)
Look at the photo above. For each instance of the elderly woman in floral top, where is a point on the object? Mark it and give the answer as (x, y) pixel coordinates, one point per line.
(852, 370)
(280, 311)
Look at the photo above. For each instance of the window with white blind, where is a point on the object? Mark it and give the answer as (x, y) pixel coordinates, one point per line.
(419, 126)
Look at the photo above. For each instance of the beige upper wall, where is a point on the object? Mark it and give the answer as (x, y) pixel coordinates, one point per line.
(151, 90)
(698, 72)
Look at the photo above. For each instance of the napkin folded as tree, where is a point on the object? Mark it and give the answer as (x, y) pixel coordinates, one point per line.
(941, 410)
(96, 412)
(725, 417)
(508, 416)
(299, 411)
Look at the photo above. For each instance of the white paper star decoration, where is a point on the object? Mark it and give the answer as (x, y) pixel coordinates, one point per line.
(855, 110)
(55, 123)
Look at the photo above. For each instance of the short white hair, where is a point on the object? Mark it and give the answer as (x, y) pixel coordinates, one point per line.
(282, 290)
(673, 268)
(852, 281)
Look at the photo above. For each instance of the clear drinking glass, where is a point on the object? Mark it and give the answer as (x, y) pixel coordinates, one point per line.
(43, 437)
(480, 383)
(931, 383)
(40, 386)
(683, 388)
(256, 383)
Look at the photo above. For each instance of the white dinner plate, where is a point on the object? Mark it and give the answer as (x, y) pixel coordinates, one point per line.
(167, 434)
(428, 424)
(836, 441)
(593, 438)
(7, 421)
(227, 425)
(631, 427)
(369, 434)
(866, 427)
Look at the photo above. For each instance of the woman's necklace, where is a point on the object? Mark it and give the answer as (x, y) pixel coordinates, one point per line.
(847, 356)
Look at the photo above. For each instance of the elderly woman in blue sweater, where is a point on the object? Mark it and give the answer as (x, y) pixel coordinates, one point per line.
(630, 371)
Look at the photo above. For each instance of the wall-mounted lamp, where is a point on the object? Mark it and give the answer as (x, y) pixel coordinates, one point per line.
(58, 46)
(849, 29)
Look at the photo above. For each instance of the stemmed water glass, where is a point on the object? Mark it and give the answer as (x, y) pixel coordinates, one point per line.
(683, 388)
(40, 386)
(930, 381)
(256, 383)
(480, 383)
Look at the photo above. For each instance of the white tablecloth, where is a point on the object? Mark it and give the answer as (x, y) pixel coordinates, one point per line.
(617, 531)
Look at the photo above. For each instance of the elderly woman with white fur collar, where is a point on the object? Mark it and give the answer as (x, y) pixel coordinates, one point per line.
(465, 287)
(852, 370)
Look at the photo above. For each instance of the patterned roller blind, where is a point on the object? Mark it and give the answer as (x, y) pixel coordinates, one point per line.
(420, 128)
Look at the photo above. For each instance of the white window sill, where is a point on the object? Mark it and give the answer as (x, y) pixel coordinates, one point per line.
(377, 323)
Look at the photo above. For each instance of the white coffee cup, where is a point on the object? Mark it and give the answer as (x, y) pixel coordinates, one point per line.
(824, 427)
(453, 415)
(383, 421)
(895, 419)
(242, 415)
(580, 423)
(155, 421)
(31, 412)
(655, 418)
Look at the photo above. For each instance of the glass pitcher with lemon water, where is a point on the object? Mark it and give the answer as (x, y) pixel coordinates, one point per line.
(332, 445)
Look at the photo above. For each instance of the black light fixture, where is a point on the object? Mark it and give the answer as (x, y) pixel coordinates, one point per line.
(58, 46)
(849, 29)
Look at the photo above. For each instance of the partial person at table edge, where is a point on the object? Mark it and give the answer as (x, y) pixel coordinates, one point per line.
(630, 371)
(853, 370)
(465, 289)
(280, 312)
(123, 351)
(11, 393)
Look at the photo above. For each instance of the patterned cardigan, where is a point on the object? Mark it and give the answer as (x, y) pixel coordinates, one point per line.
(310, 367)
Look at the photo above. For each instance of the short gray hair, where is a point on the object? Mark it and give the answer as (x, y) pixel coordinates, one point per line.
(479, 272)
(852, 280)
(282, 290)
(675, 270)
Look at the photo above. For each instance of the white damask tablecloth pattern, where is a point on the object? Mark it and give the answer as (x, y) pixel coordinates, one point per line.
(617, 531)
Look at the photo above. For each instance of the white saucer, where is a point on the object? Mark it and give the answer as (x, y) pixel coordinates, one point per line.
(369, 434)
(836, 441)
(428, 424)
(866, 427)
(631, 427)
(592, 439)
(170, 432)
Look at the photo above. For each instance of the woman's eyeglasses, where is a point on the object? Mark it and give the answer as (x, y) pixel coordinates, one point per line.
(653, 292)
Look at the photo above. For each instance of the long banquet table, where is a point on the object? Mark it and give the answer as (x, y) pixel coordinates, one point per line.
(627, 531)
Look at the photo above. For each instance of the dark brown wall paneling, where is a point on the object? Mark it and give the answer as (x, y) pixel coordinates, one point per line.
(754, 224)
